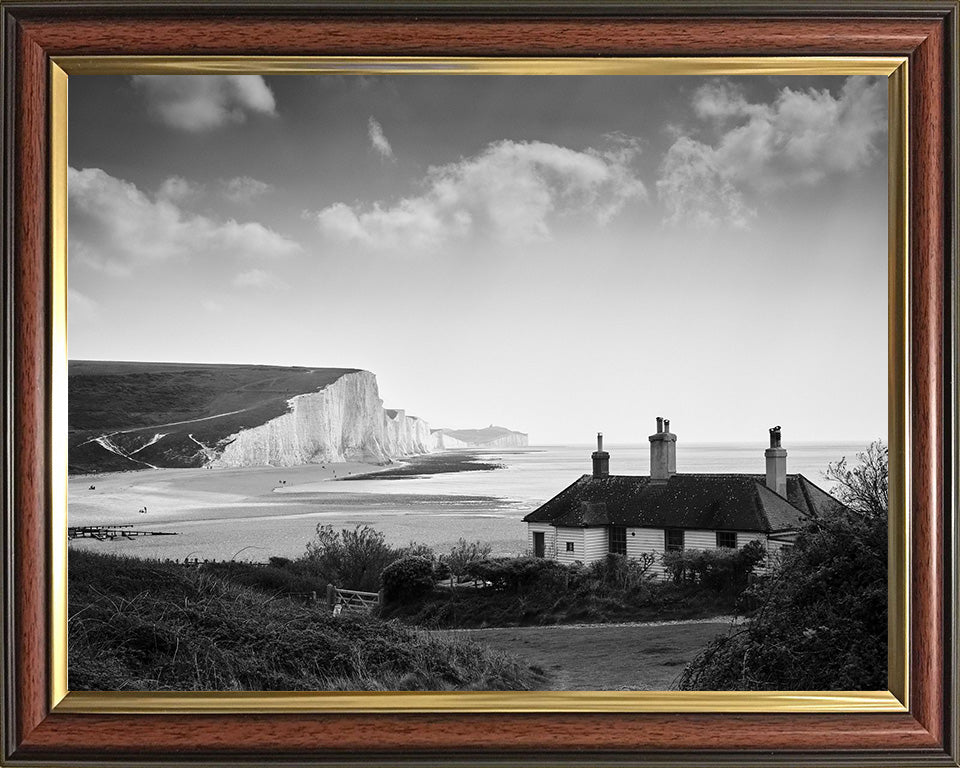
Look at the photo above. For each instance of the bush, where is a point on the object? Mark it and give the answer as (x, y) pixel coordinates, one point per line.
(821, 623)
(512, 574)
(464, 553)
(351, 559)
(621, 573)
(721, 570)
(407, 579)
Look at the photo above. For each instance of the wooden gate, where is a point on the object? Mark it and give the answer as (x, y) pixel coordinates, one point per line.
(340, 600)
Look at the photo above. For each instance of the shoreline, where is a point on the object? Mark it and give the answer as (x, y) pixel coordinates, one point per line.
(277, 509)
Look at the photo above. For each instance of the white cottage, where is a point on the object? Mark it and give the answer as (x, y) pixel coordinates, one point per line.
(633, 515)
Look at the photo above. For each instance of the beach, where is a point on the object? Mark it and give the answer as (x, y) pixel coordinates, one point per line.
(258, 512)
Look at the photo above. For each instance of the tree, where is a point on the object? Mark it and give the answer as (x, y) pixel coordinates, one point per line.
(863, 488)
(352, 559)
(821, 623)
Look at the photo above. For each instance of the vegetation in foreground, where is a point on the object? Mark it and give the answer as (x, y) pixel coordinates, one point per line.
(149, 625)
(821, 620)
(527, 591)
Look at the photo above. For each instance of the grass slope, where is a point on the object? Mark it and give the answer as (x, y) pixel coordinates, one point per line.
(635, 657)
(474, 608)
(150, 625)
(140, 400)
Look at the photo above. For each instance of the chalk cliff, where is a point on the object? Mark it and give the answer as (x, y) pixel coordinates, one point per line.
(344, 421)
(488, 437)
(126, 415)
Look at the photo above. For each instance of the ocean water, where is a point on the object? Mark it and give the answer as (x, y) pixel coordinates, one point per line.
(533, 475)
(241, 514)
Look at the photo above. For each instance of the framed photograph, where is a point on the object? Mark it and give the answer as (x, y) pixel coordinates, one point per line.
(269, 272)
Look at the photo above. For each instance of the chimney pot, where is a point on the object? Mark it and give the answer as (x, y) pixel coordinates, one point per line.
(776, 458)
(601, 459)
(663, 451)
(775, 437)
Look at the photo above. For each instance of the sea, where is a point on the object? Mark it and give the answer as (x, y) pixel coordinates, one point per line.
(255, 513)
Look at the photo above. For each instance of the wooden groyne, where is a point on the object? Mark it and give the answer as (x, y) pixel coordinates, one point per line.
(111, 532)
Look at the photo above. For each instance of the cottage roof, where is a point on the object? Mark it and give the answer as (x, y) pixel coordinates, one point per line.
(736, 502)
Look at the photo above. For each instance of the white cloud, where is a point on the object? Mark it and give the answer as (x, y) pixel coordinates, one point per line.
(114, 226)
(203, 102)
(258, 278)
(511, 191)
(243, 189)
(177, 189)
(694, 188)
(378, 140)
(801, 138)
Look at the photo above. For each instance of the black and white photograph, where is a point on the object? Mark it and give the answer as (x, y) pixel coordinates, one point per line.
(421, 382)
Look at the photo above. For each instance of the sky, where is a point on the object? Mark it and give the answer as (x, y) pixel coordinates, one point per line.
(558, 255)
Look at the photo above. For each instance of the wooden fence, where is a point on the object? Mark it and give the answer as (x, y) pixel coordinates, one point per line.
(340, 600)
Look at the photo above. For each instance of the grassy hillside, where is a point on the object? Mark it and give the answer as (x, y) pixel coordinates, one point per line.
(148, 625)
(134, 402)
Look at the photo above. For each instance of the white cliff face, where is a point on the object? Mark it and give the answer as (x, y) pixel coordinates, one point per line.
(515, 440)
(405, 435)
(442, 439)
(344, 421)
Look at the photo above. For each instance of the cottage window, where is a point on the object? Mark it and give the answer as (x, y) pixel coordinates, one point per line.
(617, 540)
(569, 546)
(673, 539)
(726, 540)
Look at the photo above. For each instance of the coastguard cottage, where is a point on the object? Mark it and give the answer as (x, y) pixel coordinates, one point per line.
(633, 515)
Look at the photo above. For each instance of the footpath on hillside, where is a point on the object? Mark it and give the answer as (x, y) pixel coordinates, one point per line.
(637, 656)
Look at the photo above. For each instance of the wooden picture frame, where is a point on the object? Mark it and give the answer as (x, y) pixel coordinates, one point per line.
(37, 730)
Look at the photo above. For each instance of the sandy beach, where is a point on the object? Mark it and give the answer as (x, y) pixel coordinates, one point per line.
(260, 512)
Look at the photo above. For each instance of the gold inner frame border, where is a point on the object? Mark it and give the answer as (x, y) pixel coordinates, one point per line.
(895, 699)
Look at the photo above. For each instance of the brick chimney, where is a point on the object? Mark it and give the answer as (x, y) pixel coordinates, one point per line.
(776, 464)
(601, 459)
(663, 451)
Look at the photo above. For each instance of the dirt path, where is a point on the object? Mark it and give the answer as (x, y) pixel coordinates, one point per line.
(606, 657)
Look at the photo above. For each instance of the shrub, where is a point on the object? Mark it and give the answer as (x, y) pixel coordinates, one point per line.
(721, 570)
(621, 573)
(512, 574)
(821, 623)
(407, 579)
(464, 553)
(416, 549)
(352, 559)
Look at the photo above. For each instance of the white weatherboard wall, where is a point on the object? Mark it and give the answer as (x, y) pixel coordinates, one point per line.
(641, 541)
(592, 544)
(699, 539)
(549, 538)
(596, 544)
(576, 536)
(745, 538)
